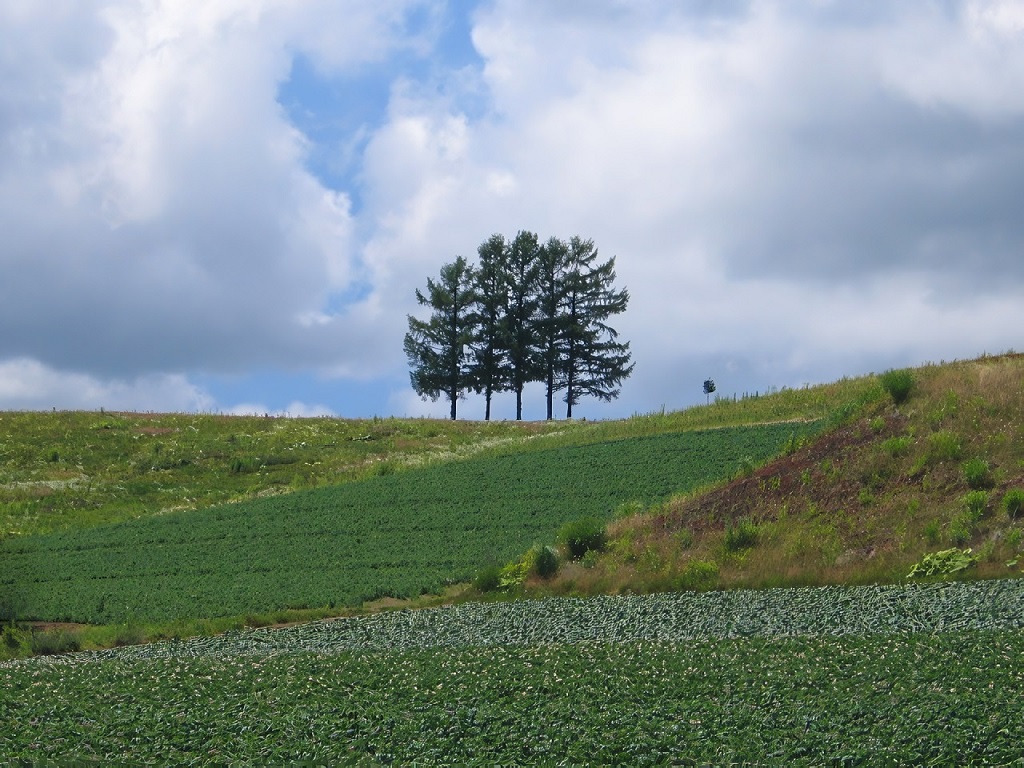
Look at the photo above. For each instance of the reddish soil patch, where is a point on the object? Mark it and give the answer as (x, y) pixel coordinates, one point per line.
(804, 474)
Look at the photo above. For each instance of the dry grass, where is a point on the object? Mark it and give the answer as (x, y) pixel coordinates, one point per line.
(860, 505)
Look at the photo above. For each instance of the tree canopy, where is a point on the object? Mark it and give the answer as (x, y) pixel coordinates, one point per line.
(526, 312)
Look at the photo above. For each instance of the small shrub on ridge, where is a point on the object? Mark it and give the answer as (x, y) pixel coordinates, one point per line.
(743, 535)
(545, 562)
(582, 536)
(898, 384)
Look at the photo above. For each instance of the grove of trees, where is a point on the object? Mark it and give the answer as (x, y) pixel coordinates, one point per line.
(525, 312)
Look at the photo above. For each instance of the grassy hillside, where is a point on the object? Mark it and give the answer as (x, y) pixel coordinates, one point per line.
(942, 469)
(63, 470)
(397, 535)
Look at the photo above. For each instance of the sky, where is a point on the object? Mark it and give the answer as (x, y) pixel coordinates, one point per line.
(227, 206)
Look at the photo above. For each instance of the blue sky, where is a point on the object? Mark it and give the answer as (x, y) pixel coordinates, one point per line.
(229, 207)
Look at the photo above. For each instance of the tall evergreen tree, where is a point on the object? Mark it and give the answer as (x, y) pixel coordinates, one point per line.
(436, 347)
(551, 319)
(488, 371)
(523, 273)
(595, 363)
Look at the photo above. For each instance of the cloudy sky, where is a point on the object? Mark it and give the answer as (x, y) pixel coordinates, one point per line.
(227, 205)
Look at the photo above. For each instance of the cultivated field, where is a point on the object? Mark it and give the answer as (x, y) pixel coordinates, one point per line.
(396, 535)
(872, 675)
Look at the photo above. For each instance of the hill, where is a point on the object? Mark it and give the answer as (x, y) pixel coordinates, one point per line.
(870, 480)
(891, 484)
(885, 485)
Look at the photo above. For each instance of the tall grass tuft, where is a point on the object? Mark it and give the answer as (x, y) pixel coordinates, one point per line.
(741, 536)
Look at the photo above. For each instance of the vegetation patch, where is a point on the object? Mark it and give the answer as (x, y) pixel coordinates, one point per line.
(341, 545)
(943, 563)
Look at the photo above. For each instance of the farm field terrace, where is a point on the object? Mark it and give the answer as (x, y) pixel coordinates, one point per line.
(400, 535)
(907, 674)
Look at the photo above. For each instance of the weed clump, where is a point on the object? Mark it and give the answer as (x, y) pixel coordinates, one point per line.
(487, 579)
(898, 383)
(944, 446)
(976, 473)
(741, 536)
(1013, 502)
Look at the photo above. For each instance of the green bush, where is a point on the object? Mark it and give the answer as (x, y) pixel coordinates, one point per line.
(743, 535)
(698, 574)
(898, 384)
(545, 562)
(487, 579)
(55, 641)
(976, 473)
(1013, 502)
(582, 536)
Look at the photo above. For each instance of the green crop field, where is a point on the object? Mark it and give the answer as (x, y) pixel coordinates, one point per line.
(873, 675)
(400, 535)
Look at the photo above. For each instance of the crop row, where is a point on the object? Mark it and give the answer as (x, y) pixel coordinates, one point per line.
(666, 617)
(399, 534)
(942, 682)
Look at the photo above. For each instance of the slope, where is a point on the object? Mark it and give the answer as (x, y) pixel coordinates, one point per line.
(863, 503)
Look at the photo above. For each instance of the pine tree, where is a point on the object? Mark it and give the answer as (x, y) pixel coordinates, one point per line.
(436, 347)
(523, 274)
(489, 371)
(551, 318)
(594, 362)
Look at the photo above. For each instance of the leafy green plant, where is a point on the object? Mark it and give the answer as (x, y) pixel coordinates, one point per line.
(488, 578)
(943, 563)
(931, 531)
(582, 536)
(1014, 538)
(698, 575)
(898, 383)
(976, 473)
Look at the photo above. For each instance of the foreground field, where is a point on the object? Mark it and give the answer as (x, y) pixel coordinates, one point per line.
(931, 674)
(396, 535)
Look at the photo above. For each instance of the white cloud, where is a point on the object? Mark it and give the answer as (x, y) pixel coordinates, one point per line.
(786, 186)
(29, 385)
(295, 409)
